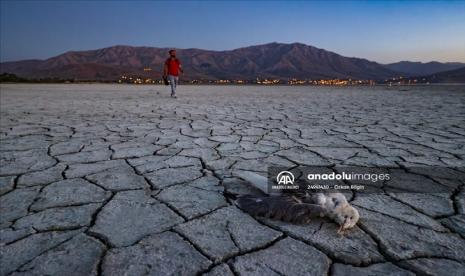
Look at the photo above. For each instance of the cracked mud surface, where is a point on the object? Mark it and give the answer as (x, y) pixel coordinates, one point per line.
(116, 179)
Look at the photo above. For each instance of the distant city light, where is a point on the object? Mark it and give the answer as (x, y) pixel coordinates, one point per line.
(268, 81)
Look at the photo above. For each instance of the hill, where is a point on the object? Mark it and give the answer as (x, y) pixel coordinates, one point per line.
(452, 76)
(273, 60)
(422, 69)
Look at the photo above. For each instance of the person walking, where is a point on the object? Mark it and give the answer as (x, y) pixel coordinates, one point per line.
(171, 71)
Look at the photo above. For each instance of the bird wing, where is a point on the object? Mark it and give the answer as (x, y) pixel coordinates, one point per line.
(284, 208)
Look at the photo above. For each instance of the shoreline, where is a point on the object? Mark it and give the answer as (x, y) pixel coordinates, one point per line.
(240, 85)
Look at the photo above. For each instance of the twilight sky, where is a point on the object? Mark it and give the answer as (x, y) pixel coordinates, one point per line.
(380, 31)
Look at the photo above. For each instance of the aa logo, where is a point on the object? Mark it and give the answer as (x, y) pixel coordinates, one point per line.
(285, 178)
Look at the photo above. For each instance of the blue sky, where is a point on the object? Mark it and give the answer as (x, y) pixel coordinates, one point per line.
(383, 31)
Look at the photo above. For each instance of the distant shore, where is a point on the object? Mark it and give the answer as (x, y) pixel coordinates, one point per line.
(12, 78)
(246, 84)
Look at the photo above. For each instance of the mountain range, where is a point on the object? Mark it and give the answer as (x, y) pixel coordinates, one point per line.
(410, 68)
(272, 60)
(451, 76)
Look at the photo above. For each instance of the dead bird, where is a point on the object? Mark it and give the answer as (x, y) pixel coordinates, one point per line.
(297, 206)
